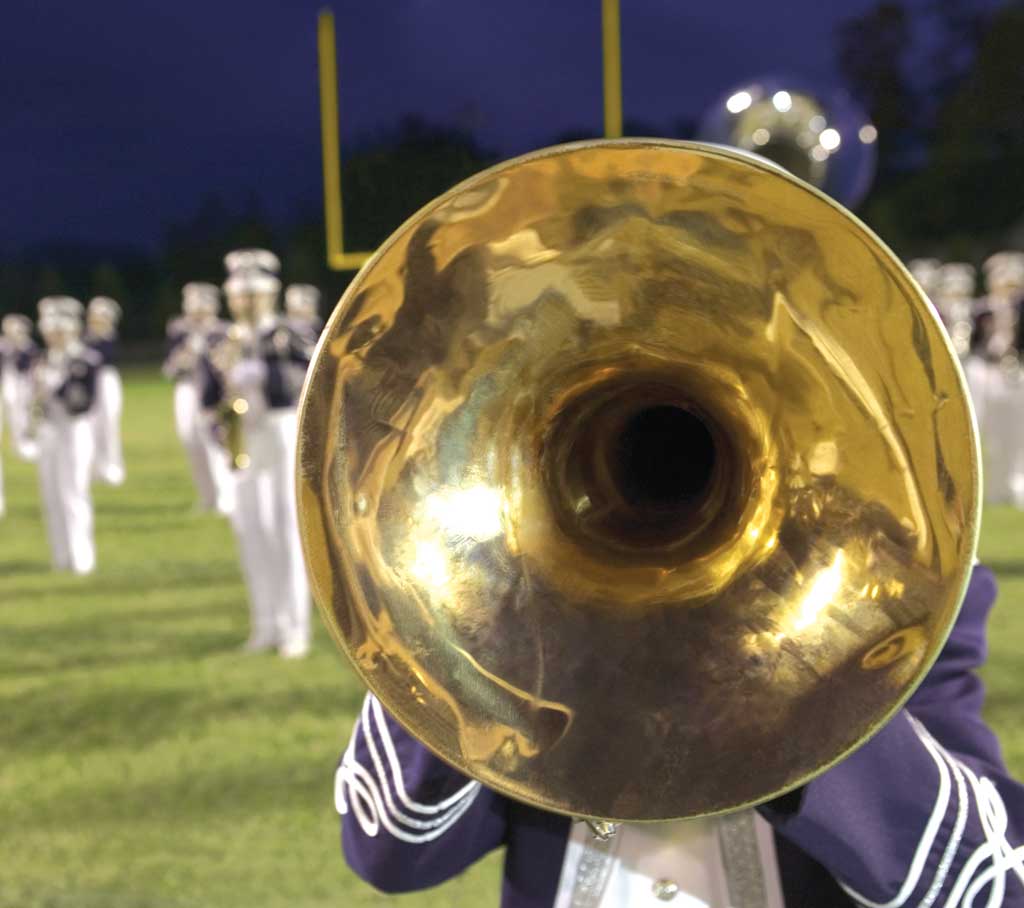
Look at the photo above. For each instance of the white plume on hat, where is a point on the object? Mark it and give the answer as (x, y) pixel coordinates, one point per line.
(245, 259)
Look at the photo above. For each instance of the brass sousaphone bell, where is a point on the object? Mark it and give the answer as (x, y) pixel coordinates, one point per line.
(637, 479)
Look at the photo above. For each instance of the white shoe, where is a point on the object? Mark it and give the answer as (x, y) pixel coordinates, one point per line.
(111, 475)
(296, 649)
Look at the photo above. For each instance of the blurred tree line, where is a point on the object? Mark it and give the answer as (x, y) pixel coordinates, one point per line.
(945, 87)
(943, 83)
(384, 183)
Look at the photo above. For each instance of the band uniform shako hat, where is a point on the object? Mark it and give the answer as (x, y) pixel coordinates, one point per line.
(252, 271)
(251, 280)
(1004, 267)
(15, 323)
(63, 310)
(200, 297)
(926, 273)
(302, 299)
(245, 259)
(64, 306)
(48, 306)
(105, 307)
(956, 279)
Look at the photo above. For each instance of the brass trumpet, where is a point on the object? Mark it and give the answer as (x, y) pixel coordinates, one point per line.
(637, 479)
(36, 410)
(230, 430)
(229, 414)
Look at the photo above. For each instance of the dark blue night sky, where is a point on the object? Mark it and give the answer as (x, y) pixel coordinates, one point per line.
(119, 116)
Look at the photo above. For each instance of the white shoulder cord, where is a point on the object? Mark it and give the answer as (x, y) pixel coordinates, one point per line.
(396, 769)
(994, 822)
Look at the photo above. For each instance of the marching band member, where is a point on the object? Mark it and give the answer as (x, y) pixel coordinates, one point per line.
(926, 273)
(998, 342)
(302, 309)
(924, 814)
(954, 295)
(254, 375)
(188, 337)
(1004, 286)
(17, 354)
(17, 350)
(101, 319)
(64, 391)
(952, 292)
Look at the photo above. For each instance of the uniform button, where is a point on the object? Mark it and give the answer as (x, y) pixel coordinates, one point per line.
(665, 890)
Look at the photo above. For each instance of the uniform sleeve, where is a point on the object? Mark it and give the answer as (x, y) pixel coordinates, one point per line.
(176, 338)
(287, 354)
(26, 358)
(925, 814)
(107, 350)
(408, 820)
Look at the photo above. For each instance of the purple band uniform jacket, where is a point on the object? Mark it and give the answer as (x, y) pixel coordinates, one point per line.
(924, 814)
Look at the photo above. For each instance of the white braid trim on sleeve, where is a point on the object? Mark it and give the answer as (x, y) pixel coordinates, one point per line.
(927, 841)
(1000, 855)
(369, 795)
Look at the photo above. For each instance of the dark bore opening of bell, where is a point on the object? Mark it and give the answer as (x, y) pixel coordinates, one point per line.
(642, 466)
(665, 458)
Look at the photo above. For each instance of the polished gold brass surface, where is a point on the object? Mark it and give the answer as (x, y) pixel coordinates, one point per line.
(229, 418)
(229, 414)
(637, 479)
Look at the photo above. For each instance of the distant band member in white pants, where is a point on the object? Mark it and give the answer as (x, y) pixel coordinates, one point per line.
(1002, 419)
(101, 319)
(260, 366)
(188, 338)
(16, 353)
(64, 381)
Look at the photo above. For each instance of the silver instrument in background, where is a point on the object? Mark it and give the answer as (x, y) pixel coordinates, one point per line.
(824, 139)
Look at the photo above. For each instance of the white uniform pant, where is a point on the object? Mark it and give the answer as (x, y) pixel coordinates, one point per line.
(16, 391)
(999, 403)
(66, 446)
(13, 411)
(266, 525)
(3, 503)
(108, 465)
(206, 458)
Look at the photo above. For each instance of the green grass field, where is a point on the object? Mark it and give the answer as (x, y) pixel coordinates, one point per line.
(145, 761)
